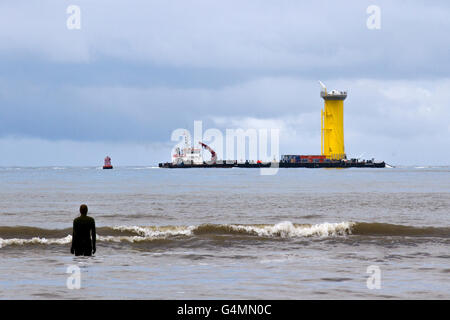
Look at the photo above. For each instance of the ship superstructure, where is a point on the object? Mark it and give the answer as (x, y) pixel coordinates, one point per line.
(188, 155)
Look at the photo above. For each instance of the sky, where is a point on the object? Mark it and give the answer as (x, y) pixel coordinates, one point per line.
(137, 70)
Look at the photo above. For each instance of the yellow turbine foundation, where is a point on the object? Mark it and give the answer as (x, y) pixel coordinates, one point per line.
(332, 137)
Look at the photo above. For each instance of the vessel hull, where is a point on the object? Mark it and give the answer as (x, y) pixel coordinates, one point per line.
(334, 164)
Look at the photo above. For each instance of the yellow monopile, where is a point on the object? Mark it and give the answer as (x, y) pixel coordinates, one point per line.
(332, 142)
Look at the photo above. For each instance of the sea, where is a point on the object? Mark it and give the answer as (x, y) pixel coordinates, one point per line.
(227, 233)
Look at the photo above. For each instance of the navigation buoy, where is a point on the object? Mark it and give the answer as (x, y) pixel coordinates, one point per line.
(107, 164)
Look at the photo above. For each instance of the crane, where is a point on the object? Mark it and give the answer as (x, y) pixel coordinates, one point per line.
(324, 88)
(213, 153)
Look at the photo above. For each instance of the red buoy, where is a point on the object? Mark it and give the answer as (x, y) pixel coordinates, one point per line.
(107, 164)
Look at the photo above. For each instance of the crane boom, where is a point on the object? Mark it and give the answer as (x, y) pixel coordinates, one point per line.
(324, 88)
(213, 153)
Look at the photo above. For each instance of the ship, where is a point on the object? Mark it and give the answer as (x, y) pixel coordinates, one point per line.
(188, 156)
(332, 146)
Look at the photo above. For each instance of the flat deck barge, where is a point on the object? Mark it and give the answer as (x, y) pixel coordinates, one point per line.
(233, 164)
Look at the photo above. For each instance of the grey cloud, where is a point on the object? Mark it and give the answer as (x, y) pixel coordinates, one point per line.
(322, 37)
(138, 70)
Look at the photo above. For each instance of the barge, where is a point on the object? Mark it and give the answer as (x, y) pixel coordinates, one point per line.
(353, 163)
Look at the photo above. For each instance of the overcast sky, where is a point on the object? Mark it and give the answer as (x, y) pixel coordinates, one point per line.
(137, 70)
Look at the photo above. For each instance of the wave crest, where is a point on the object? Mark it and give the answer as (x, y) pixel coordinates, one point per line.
(35, 240)
(284, 229)
(21, 235)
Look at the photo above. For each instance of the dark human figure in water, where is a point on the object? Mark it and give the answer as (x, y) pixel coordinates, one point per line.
(83, 238)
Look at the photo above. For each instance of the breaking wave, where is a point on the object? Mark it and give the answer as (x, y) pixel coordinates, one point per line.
(22, 235)
(34, 240)
(284, 229)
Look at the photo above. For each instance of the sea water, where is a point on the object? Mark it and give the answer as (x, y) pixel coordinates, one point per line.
(227, 233)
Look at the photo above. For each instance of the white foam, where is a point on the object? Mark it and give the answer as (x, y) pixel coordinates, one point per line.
(157, 232)
(122, 238)
(143, 234)
(287, 229)
(35, 240)
(284, 229)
